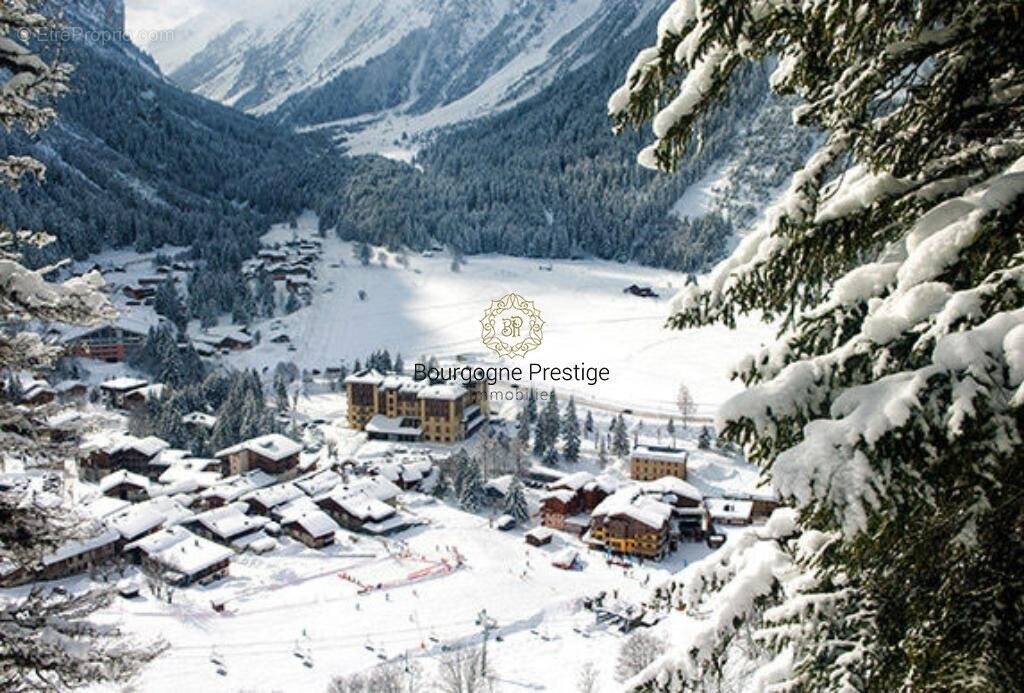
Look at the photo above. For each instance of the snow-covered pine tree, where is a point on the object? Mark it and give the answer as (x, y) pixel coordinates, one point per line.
(570, 432)
(548, 425)
(167, 303)
(889, 410)
(531, 405)
(523, 432)
(471, 495)
(588, 423)
(704, 439)
(620, 437)
(281, 391)
(48, 641)
(442, 486)
(460, 465)
(602, 454)
(515, 501)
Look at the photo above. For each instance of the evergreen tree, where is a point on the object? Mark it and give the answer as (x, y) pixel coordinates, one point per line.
(167, 303)
(602, 454)
(548, 424)
(620, 437)
(47, 637)
(266, 294)
(889, 411)
(531, 405)
(292, 303)
(704, 439)
(442, 486)
(523, 432)
(570, 433)
(671, 429)
(515, 501)
(281, 391)
(399, 365)
(588, 423)
(461, 464)
(471, 494)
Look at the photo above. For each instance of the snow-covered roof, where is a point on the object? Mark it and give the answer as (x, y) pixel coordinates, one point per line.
(181, 551)
(123, 476)
(406, 472)
(134, 321)
(123, 384)
(272, 446)
(729, 509)
(659, 453)
(367, 377)
(103, 506)
(204, 472)
(69, 385)
(36, 389)
(148, 392)
(148, 446)
(136, 520)
(563, 495)
(234, 487)
(447, 391)
(675, 486)
(393, 425)
(541, 533)
(629, 502)
(316, 523)
(565, 557)
(215, 336)
(376, 487)
(273, 496)
(574, 481)
(500, 483)
(294, 506)
(230, 521)
(394, 523)
(318, 483)
(78, 547)
(605, 482)
(198, 418)
(361, 505)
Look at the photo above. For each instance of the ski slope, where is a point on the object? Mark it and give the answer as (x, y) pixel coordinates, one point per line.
(291, 622)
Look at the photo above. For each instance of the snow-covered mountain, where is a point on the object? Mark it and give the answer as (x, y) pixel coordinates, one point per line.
(388, 69)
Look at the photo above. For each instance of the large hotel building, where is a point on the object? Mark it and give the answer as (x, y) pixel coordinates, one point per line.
(396, 407)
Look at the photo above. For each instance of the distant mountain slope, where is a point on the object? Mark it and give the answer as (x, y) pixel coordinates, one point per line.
(383, 68)
(132, 160)
(547, 178)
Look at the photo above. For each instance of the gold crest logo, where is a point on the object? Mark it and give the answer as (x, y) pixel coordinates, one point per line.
(512, 326)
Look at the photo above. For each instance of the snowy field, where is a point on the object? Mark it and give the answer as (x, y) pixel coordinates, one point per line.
(291, 622)
(429, 310)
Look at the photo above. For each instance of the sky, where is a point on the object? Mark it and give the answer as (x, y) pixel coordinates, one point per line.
(147, 16)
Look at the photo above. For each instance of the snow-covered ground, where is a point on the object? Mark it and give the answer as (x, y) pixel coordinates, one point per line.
(429, 310)
(291, 621)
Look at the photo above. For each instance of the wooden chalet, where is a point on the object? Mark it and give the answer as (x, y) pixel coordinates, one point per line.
(273, 453)
(314, 528)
